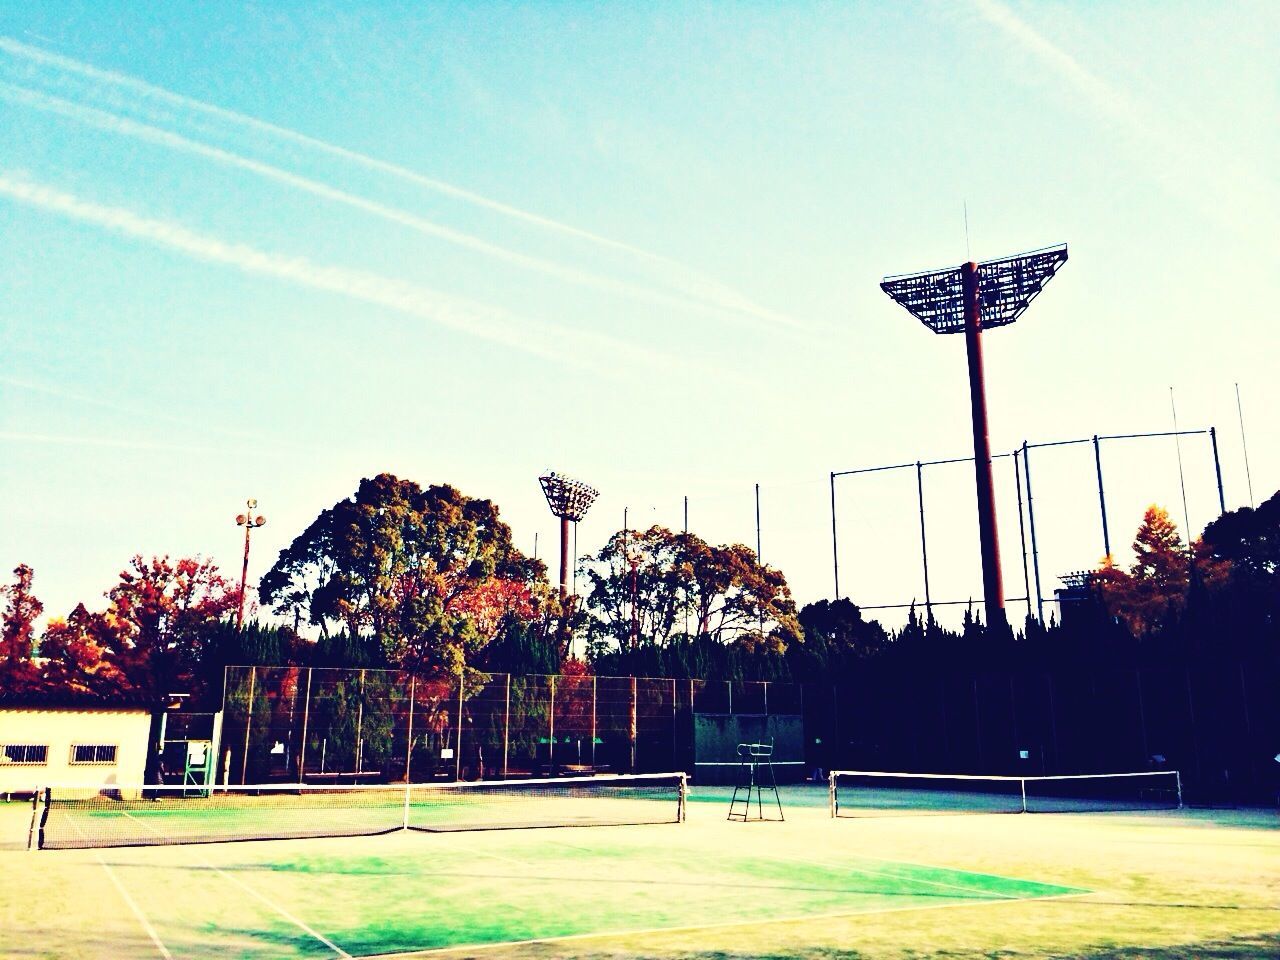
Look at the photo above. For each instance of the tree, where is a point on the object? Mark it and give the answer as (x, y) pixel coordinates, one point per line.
(17, 671)
(644, 584)
(835, 638)
(162, 618)
(76, 654)
(1249, 539)
(1154, 590)
(425, 576)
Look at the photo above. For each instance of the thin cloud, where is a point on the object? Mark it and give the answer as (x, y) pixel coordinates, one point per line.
(689, 282)
(124, 126)
(479, 320)
(115, 444)
(77, 397)
(1184, 161)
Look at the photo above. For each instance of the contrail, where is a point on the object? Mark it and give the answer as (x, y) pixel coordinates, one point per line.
(1185, 164)
(688, 281)
(74, 396)
(124, 126)
(490, 323)
(62, 440)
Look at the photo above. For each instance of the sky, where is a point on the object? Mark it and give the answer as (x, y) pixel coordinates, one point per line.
(265, 250)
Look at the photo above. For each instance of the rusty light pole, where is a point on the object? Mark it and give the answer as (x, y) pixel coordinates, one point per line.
(250, 523)
(969, 299)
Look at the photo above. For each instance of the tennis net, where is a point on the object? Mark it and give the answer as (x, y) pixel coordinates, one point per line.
(860, 793)
(77, 817)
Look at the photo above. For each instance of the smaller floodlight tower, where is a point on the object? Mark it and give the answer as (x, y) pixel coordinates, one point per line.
(568, 499)
(250, 523)
(969, 299)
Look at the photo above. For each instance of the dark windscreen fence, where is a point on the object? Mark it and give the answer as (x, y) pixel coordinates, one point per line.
(74, 817)
(868, 793)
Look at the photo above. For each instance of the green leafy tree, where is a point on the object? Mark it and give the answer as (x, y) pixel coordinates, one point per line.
(645, 585)
(1248, 539)
(408, 570)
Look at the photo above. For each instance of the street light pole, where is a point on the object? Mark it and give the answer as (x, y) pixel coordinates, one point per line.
(250, 523)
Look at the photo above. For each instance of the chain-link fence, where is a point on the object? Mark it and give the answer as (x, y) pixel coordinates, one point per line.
(347, 725)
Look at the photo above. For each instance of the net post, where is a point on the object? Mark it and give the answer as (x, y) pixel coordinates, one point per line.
(1022, 782)
(682, 810)
(831, 793)
(1177, 776)
(404, 819)
(31, 827)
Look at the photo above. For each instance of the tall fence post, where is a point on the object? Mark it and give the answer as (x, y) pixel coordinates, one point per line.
(924, 546)
(551, 731)
(408, 743)
(1022, 532)
(306, 716)
(593, 720)
(506, 729)
(360, 729)
(1031, 521)
(1217, 471)
(457, 756)
(248, 721)
(835, 550)
(634, 724)
(1102, 497)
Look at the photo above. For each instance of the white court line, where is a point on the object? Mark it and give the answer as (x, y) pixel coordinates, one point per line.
(433, 951)
(248, 889)
(137, 911)
(133, 904)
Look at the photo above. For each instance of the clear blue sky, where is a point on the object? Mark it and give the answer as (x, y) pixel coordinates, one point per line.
(259, 249)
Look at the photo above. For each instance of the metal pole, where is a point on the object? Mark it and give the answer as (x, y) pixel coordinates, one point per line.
(1102, 498)
(686, 596)
(924, 547)
(408, 745)
(564, 559)
(551, 730)
(1217, 469)
(248, 721)
(1244, 446)
(306, 716)
(1031, 521)
(457, 756)
(1022, 532)
(506, 729)
(992, 581)
(634, 724)
(360, 728)
(835, 551)
(593, 721)
(759, 559)
(244, 572)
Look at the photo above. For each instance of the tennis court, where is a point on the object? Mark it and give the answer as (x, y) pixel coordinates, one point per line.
(887, 886)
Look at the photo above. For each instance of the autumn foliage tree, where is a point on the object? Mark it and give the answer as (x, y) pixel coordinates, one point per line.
(17, 638)
(425, 578)
(1151, 594)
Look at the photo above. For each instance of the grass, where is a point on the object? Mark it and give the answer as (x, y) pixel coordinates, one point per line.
(1168, 885)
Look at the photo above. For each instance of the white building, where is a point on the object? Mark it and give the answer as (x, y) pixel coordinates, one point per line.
(57, 740)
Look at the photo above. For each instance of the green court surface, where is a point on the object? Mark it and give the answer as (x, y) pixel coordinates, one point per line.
(707, 887)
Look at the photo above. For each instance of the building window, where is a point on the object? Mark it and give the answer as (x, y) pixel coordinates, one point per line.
(93, 753)
(28, 753)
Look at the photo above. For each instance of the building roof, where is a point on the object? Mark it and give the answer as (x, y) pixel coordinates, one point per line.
(71, 700)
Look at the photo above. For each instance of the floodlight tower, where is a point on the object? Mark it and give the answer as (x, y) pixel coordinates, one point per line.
(969, 299)
(568, 499)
